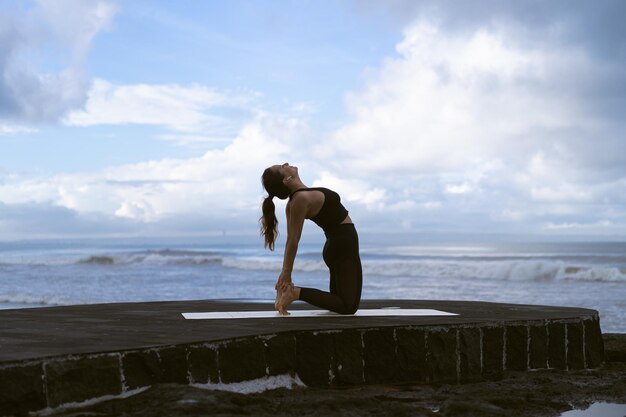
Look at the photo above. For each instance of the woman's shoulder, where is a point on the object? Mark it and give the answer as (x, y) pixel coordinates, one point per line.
(306, 195)
(298, 195)
(305, 191)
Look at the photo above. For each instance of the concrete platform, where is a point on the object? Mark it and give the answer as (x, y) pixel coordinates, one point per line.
(59, 355)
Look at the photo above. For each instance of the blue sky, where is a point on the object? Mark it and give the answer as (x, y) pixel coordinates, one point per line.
(157, 118)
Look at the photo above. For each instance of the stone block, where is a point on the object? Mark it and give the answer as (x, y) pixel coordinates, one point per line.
(516, 348)
(242, 360)
(174, 364)
(556, 346)
(469, 354)
(203, 364)
(538, 354)
(594, 345)
(441, 355)
(614, 347)
(141, 369)
(314, 352)
(381, 362)
(493, 350)
(280, 352)
(21, 389)
(411, 352)
(76, 380)
(347, 364)
(575, 355)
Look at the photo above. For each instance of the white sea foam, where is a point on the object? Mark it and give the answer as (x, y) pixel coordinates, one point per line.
(161, 257)
(503, 270)
(90, 402)
(522, 270)
(503, 267)
(598, 274)
(256, 385)
(272, 264)
(516, 269)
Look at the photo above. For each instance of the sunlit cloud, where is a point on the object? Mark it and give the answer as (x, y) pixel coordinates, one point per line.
(193, 108)
(221, 183)
(485, 118)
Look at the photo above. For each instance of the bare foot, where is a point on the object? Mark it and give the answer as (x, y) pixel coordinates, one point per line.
(276, 305)
(286, 297)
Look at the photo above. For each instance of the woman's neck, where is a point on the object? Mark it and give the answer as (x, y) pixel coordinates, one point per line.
(295, 184)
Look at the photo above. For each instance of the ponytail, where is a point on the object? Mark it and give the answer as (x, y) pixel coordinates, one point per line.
(269, 223)
(273, 184)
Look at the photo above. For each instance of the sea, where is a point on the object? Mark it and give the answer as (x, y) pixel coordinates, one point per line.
(56, 272)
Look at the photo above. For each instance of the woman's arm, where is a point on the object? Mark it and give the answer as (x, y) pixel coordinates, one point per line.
(296, 213)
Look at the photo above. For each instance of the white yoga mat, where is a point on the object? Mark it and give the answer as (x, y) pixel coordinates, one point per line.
(378, 312)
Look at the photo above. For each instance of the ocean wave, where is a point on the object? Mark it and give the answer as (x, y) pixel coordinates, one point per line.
(526, 270)
(539, 268)
(504, 256)
(157, 257)
(272, 264)
(519, 270)
(597, 274)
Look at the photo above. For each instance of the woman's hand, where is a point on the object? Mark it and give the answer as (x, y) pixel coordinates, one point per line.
(284, 281)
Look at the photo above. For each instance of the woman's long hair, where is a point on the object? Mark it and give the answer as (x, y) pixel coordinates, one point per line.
(273, 184)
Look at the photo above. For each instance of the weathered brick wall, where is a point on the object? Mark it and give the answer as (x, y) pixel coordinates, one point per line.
(383, 355)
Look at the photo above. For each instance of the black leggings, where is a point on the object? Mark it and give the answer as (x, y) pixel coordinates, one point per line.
(341, 254)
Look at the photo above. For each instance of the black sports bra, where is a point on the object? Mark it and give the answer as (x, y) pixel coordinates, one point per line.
(332, 212)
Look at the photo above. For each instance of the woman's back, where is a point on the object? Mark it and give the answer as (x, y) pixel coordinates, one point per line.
(325, 208)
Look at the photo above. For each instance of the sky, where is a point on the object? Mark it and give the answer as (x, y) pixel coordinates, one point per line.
(157, 118)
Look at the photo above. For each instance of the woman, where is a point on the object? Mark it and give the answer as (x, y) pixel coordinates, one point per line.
(341, 251)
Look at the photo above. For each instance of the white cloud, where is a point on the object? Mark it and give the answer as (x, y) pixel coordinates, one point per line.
(477, 132)
(33, 94)
(351, 190)
(462, 188)
(511, 215)
(450, 101)
(603, 223)
(77, 22)
(502, 125)
(599, 227)
(221, 184)
(192, 108)
(7, 130)
(137, 210)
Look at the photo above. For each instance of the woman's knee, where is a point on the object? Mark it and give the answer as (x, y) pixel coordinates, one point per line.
(348, 310)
